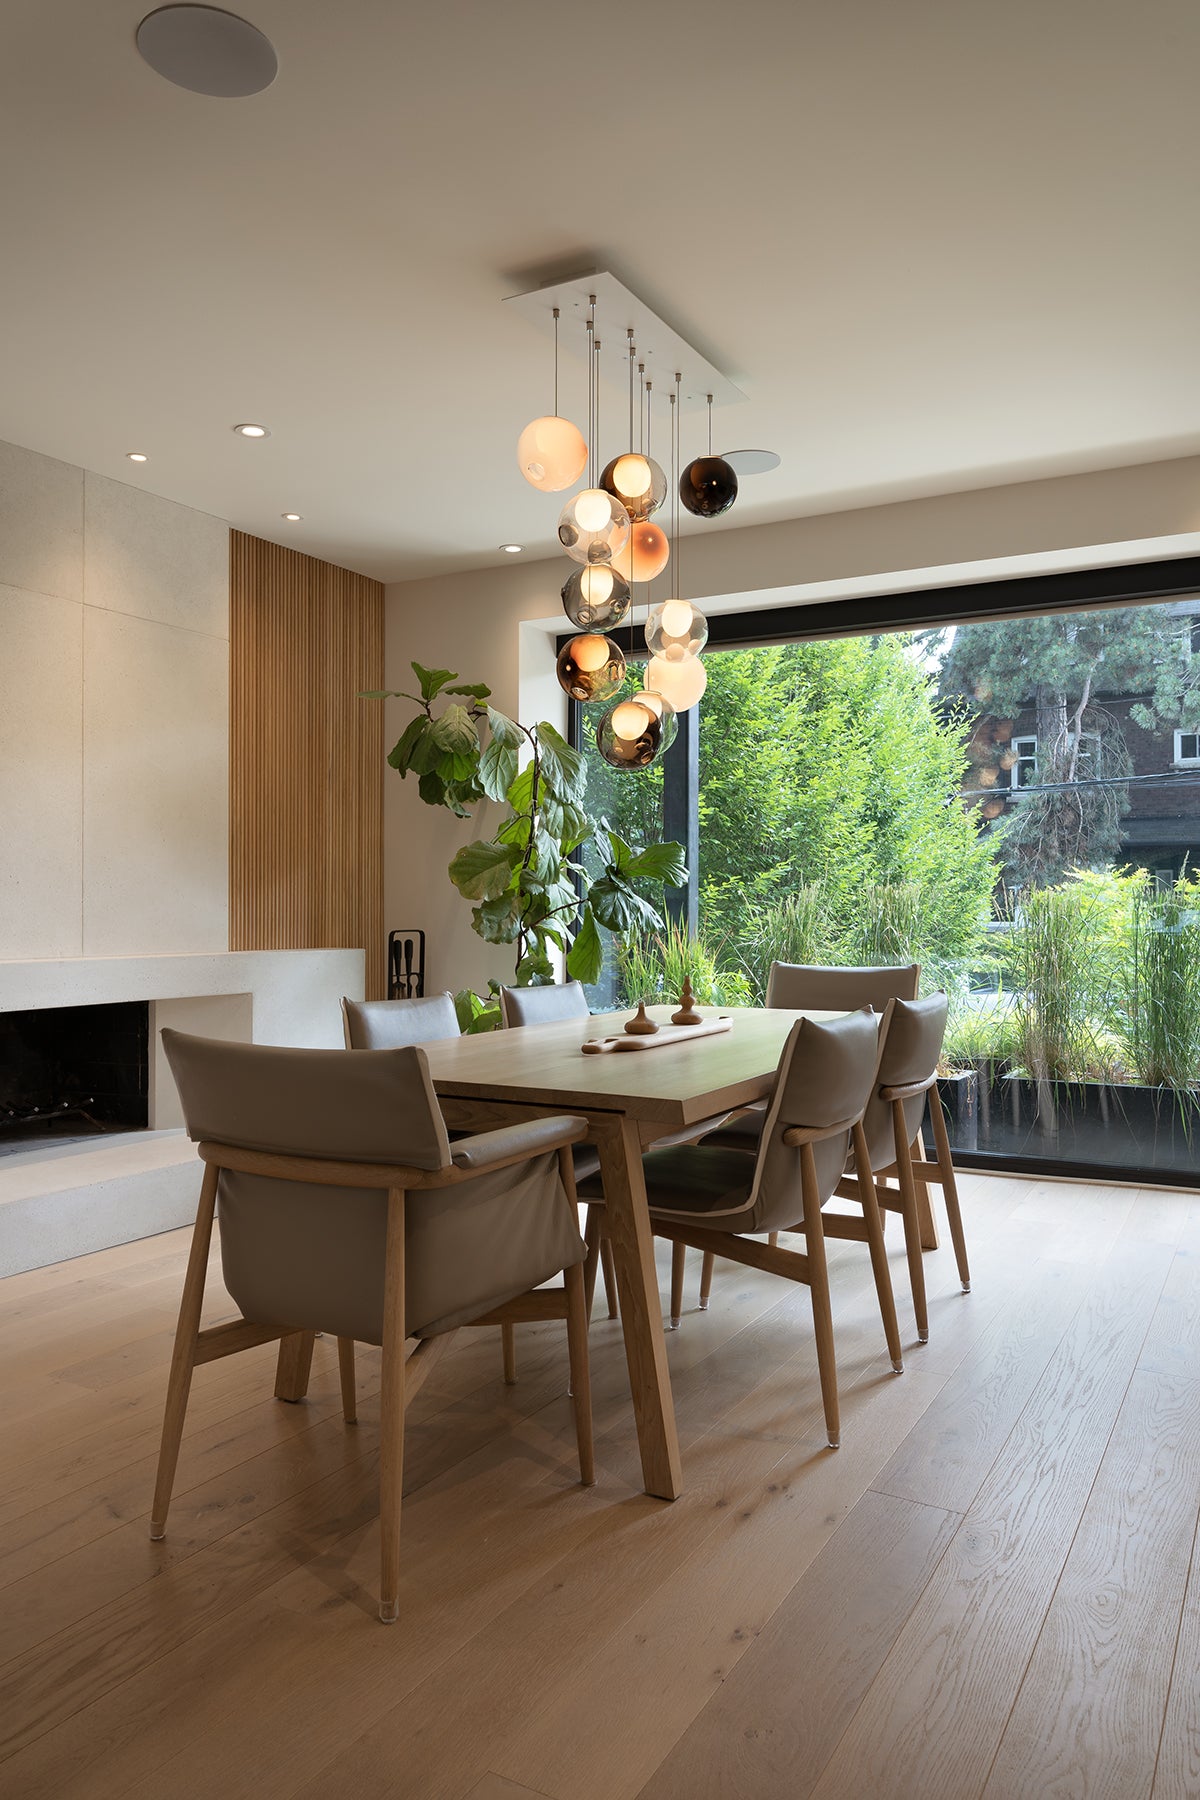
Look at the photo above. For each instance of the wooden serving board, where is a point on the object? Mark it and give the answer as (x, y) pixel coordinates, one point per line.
(666, 1034)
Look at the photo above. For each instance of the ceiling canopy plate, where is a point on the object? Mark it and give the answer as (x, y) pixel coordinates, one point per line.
(659, 346)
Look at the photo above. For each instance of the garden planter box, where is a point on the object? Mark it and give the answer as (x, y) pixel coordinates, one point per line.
(1120, 1127)
(959, 1095)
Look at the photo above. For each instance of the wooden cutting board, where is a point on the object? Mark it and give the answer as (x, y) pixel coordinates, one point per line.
(666, 1034)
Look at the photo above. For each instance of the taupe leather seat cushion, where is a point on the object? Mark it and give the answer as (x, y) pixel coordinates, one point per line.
(312, 1256)
(911, 1048)
(692, 1179)
(391, 1024)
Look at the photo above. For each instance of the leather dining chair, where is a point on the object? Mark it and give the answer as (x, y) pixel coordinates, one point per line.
(808, 987)
(391, 1024)
(911, 1032)
(712, 1198)
(344, 1208)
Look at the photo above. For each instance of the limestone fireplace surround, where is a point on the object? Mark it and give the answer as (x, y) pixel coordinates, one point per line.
(62, 1200)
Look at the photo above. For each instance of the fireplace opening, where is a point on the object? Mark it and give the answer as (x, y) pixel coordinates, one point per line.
(70, 1072)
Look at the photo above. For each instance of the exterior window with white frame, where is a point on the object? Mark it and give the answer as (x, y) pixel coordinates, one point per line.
(1024, 771)
(1187, 749)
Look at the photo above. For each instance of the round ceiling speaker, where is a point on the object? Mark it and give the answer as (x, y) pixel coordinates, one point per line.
(751, 462)
(207, 51)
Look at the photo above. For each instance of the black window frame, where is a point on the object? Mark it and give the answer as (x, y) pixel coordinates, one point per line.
(914, 609)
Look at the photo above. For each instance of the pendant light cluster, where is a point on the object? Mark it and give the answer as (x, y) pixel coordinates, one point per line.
(608, 528)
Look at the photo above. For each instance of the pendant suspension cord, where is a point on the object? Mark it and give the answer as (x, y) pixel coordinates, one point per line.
(556, 362)
(591, 331)
(676, 455)
(632, 354)
(598, 465)
(710, 424)
(641, 409)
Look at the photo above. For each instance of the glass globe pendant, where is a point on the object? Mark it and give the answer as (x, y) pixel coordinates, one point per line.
(645, 555)
(637, 482)
(663, 711)
(676, 629)
(630, 734)
(551, 454)
(708, 486)
(591, 667)
(596, 597)
(682, 682)
(593, 527)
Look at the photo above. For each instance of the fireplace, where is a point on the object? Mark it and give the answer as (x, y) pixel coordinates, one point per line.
(73, 1071)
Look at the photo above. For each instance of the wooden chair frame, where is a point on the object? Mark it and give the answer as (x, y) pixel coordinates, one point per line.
(809, 1266)
(910, 1198)
(403, 1375)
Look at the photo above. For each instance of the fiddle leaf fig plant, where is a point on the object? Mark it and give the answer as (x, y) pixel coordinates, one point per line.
(528, 887)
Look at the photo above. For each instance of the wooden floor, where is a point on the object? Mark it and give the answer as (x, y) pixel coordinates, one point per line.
(991, 1589)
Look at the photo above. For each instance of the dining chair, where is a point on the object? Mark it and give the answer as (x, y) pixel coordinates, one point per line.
(711, 1198)
(809, 987)
(911, 1034)
(391, 1024)
(548, 1004)
(344, 1208)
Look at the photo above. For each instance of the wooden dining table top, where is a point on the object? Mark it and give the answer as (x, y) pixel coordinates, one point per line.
(674, 1084)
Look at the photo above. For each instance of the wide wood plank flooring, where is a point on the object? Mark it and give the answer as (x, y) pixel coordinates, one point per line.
(991, 1589)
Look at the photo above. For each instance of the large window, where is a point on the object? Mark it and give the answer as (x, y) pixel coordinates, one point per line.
(1012, 801)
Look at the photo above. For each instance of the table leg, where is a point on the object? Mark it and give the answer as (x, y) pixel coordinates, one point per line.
(619, 1145)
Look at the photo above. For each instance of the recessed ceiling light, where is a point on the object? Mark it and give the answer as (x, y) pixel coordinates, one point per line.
(207, 51)
(293, 516)
(752, 462)
(512, 549)
(252, 431)
(136, 456)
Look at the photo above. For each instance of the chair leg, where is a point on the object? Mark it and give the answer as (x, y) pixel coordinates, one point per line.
(183, 1355)
(346, 1372)
(873, 1219)
(941, 1138)
(929, 1230)
(706, 1278)
(294, 1365)
(912, 1222)
(772, 1238)
(581, 1378)
(610, 1274)
(391, 1408)
(508, 1343)
(818, 1281)
(591, 1236)
(678, 1262)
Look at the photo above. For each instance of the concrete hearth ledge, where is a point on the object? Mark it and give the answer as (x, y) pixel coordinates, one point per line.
(67, 1200)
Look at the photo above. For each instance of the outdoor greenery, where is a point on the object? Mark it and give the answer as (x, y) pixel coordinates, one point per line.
(524, 890)
(1068, 668)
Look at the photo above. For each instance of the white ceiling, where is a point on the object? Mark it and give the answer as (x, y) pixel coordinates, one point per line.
(937, 245)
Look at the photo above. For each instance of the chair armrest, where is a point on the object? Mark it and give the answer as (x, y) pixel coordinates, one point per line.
(795, 1135)
(517, 1143)
(910, 1092)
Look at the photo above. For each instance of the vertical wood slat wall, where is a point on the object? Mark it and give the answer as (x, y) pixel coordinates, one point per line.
(306, 755)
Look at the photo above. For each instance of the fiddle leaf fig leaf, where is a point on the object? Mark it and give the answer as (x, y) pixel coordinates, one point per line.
(504, 728)
(482, 871)
(520, 790)
(475, 690)
(432, 680)
(400, 755)
(498, 921)
(659, 862)
(432, 788)
(585, 958)
(563, 769)
(455, 732)
(616, 905)
(497, 768)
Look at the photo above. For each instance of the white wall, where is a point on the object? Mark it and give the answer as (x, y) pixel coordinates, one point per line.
(114, 717)
(496, 625)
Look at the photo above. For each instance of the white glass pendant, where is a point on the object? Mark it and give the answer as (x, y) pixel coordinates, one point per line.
(662, 709)
(551, 454)
(682, 682)
(676, 629)
(593, 527)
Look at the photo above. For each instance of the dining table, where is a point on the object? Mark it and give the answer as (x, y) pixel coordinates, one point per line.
(630, 1099)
